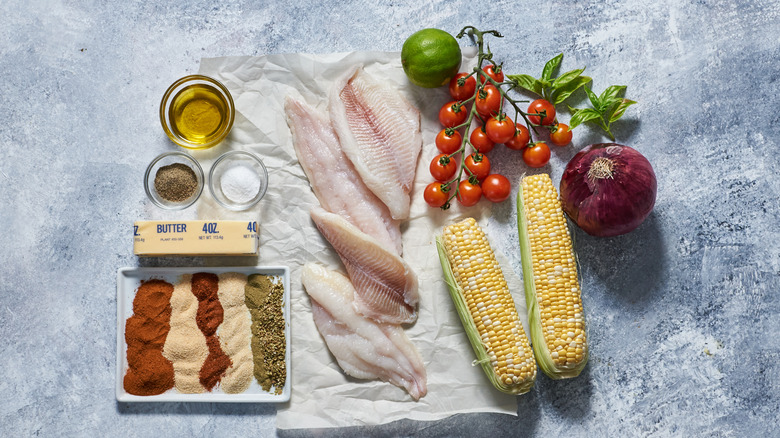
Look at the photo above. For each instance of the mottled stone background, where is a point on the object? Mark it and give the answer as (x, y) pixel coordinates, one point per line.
(683, 312)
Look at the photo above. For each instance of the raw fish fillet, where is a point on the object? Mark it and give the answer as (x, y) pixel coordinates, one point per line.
(334, 179)
(380, 133)
(364, 348)
(386, 286)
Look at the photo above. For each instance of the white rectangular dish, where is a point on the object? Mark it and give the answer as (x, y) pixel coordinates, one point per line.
(128, 281)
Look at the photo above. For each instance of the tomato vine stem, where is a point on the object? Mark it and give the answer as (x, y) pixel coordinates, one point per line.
(483, 80)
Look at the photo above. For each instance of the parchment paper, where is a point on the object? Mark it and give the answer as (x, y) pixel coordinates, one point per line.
(322, 395)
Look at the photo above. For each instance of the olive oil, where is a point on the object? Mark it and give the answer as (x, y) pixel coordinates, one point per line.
(199, 114)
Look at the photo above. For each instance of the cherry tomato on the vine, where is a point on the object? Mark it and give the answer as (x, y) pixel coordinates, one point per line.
(462, 92)
(496, 188)
(520, 139)
(488, 101)
(479, 165)
(500, 129)
(543, 108)
(480, 140)
(537, 154)
(446, 143)
(494, 71)
(468, 194)
(452, 114)
(434, 195)
(441, 171)
(561, 134)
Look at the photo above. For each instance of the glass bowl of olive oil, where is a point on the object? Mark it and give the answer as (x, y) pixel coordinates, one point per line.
(197, 112)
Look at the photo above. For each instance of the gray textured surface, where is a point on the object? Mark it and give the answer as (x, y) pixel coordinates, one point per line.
(683, 312)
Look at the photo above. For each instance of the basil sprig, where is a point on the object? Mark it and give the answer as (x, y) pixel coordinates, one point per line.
(554, 89)
(607, 108)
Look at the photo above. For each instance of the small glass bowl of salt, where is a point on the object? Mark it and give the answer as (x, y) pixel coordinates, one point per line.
(238, 180)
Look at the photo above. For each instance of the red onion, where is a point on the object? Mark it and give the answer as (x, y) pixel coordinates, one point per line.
(608, 189)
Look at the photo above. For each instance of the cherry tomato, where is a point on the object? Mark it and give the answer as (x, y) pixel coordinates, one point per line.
(452, 114)
(488, 101)
(462, 92)
(537, 155)
(520, 140)
(540, 106)
(434, 195)
(443, 172)
(468, 194)
(496, 188)
(448, 143)
(500, 129)
(480, 140)
(495, 73)
(561, 135)
(479, 165)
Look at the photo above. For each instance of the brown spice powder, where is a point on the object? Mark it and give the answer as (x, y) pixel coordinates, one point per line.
(209, 317)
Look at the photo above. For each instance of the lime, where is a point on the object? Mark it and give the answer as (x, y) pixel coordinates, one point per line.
(430, 57)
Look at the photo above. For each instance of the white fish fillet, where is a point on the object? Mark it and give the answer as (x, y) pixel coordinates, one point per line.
(364, 348)
(333, 177)
(386, 286)
(380, 133)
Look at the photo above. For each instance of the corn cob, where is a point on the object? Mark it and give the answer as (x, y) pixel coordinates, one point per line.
(486, 308)
(552, 290)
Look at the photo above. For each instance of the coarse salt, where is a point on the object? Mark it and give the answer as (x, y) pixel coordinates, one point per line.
(240, 184)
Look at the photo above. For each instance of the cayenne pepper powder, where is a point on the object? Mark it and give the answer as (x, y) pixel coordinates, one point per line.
(149, 373)
(209, 316)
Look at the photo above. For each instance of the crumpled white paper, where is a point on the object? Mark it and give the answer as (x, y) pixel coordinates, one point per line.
(322, 395)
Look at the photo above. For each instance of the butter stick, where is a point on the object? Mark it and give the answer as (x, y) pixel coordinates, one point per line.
(219, 237)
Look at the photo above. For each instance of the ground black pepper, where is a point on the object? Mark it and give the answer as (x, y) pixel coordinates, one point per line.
(175, 182)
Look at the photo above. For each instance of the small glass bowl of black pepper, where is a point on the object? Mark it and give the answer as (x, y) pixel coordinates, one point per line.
(173, 181)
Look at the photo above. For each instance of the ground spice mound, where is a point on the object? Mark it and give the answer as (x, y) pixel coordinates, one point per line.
(185, 345)
(175, 182)
(263, 297)
(149, 373)
(235, 333)
(210, 314)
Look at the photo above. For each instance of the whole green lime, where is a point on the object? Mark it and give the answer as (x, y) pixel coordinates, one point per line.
(430, 57)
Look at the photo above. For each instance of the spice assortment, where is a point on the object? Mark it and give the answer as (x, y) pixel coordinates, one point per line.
(185, 334)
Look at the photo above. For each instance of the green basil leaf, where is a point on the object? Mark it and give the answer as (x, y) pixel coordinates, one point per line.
(612, 93)
(550, 66)
(582, 115)
(594, 100)
(567, 77)
(527, 82)
(565, 91)
(619, 109)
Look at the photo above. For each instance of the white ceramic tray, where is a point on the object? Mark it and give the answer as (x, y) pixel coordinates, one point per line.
(128, 281)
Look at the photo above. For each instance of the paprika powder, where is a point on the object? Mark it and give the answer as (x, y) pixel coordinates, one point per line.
(149, 373)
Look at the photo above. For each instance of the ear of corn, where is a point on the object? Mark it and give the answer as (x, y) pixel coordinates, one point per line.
(486, 308)
(552, 290)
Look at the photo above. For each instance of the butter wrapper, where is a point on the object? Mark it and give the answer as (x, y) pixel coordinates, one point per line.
(195, 237)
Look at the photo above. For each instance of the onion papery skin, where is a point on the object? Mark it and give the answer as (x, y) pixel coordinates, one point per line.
(608, 206)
